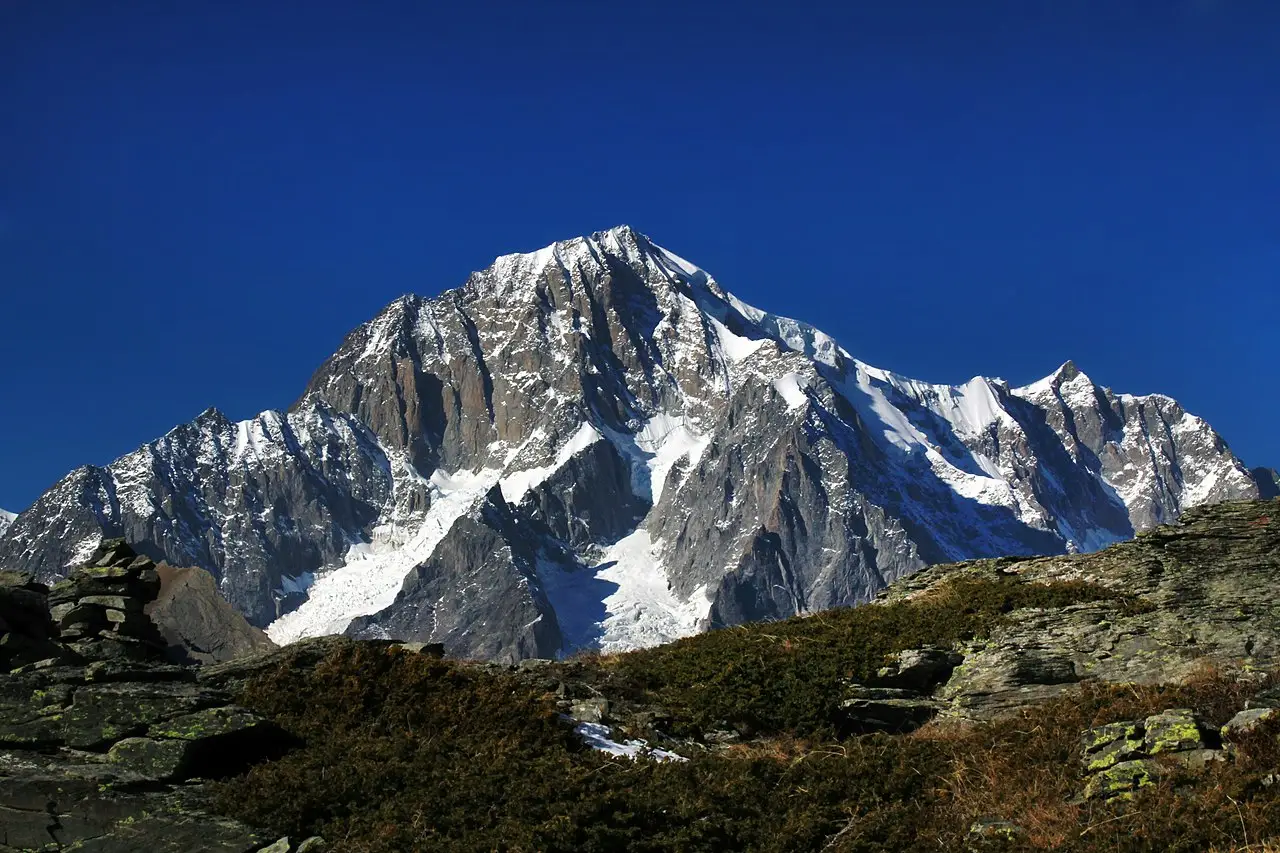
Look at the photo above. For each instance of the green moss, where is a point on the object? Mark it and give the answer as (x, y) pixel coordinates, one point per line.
(1122, 779)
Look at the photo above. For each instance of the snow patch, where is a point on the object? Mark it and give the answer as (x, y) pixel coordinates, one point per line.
(678, 262)
(735, 347)
(644, 611)
(255, 436)
(974, 406)
(791, 387)
(600, 737)
(624, 602)
(84, 550)
(661, 442)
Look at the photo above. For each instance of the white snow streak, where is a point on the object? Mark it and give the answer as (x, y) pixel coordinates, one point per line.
(374, 571)
(790, 387)
(735, 347)
(516, 485)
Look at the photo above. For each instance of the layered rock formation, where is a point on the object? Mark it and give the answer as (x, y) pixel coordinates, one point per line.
(673, 459)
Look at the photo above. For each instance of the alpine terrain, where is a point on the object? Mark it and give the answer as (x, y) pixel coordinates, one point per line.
(596, 446)
(6, 518)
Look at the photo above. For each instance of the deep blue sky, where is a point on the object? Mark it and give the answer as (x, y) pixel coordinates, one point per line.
(199, 198)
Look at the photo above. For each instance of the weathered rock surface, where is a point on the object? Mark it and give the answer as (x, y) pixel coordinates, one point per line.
(1205, 594)
(104, 743)
(680, 460)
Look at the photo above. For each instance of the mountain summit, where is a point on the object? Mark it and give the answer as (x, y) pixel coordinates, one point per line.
(595, 445)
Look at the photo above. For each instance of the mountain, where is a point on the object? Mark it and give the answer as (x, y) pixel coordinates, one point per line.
(1268, 480)
(6, 518)
(596, 445)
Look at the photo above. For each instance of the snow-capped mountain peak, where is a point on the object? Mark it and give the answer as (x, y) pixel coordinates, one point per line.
(595, 444)
(6, 519)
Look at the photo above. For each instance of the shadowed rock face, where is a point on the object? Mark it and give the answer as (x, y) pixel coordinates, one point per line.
(676, 459)
(478, 594)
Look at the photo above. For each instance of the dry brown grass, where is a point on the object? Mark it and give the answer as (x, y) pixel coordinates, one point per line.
(1027, 770)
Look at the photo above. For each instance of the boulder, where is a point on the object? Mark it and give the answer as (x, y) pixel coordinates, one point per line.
(1247, 721)
(590, 710)
(919, 669)
(1175, 730)
(149, 759)
(874, 709)
(197, 623)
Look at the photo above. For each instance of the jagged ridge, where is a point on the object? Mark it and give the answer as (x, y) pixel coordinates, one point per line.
(676, 458)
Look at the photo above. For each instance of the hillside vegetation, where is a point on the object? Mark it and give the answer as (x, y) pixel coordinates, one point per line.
(403, 751)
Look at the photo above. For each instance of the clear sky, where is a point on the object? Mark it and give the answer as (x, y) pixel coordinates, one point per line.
(198, 199)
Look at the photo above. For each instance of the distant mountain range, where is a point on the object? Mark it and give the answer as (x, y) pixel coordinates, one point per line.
(596, 446)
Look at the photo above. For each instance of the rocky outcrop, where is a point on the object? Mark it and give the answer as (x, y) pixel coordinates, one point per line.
(99, 609)
(1121, 758)
(1202, 593)
(104, 744)
(901, 696)
(197, 622)
(679, 460)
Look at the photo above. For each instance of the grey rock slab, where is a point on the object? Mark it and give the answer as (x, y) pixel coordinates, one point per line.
(1176, 730)
(1248, 721)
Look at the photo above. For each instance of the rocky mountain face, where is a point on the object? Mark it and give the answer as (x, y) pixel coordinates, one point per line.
(6, 518)
(596, 445)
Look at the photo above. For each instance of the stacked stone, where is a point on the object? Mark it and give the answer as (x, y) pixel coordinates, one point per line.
(99, 608)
